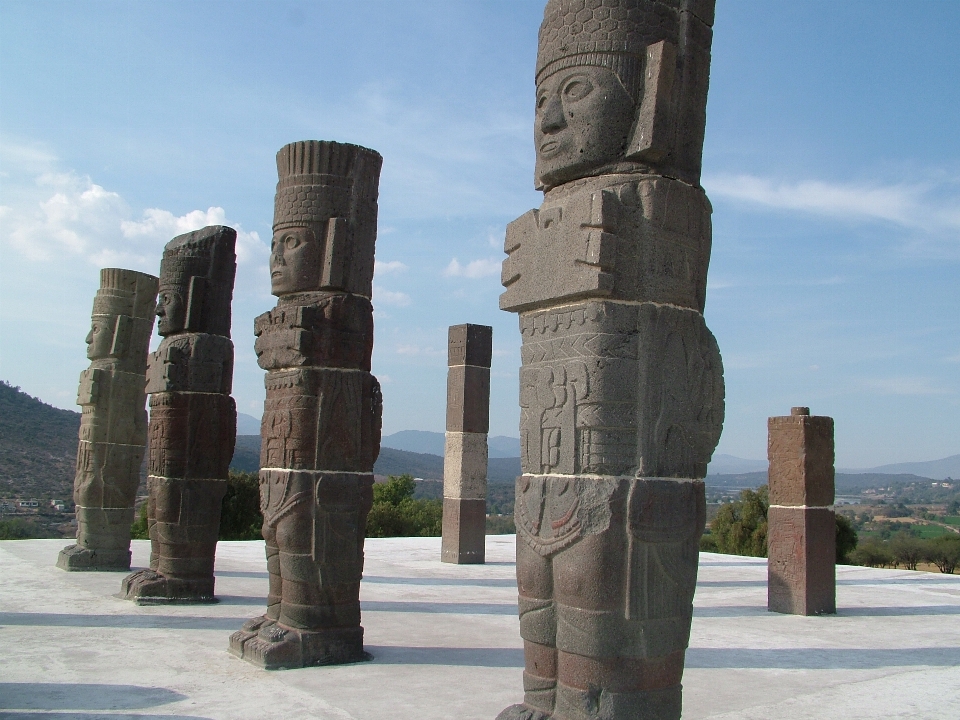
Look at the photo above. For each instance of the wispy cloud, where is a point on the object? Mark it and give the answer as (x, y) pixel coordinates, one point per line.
(418, 350)
(389, 297)
(386, 268)
(473, 269)
(52, 213)
(929, 206)
(904, 386)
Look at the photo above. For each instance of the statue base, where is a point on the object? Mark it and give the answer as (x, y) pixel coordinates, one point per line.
(78, 558)
(146, 587)
(272, 646)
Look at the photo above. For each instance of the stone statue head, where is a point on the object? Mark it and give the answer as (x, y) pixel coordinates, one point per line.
(196, 282)
(606, 97)
(124, 297)
(325, 218)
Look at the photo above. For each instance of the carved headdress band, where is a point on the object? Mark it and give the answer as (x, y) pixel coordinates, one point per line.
(605, 33)
(126, 292)
(322, 179)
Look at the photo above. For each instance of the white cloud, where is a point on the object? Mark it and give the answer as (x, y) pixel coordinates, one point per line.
(52, 214)
(473, 269)
(904, 386)
(925, 206)
(386, 268)
(419, 350)
(388, 297)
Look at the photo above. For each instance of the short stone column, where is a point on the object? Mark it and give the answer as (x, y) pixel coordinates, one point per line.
(801, 534)
(469, 349)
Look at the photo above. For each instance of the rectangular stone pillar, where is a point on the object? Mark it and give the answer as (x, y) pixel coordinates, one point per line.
(801, 534)
(469, 349)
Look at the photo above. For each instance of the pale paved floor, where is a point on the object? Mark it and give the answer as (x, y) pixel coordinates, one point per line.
(446, 645)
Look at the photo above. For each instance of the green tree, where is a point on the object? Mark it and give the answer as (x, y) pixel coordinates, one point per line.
(907, 549)
(944, 552)
(240, 517)
(15, 529)
(396, 514)
(140, 530)
(740, 527)
(872, 553)
(846, 538)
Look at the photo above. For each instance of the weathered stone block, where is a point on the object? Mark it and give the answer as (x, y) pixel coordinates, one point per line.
(464, 530)
(801, 560)
(321, 419)
(614, 389)
(613, 237)
(192, 435)
(332, 330)
(465, 465)
(191, 362)
(108, 475)
(468, 399)
(800, 450)
(470, 345)
(112, 406)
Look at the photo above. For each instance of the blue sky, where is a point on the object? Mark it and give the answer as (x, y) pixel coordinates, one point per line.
(832, 159)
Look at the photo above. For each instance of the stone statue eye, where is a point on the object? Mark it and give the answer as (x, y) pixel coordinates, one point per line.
(577, 88)
(541, 101)
(291, 242)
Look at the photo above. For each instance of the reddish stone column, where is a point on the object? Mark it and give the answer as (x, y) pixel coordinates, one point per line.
(469, 349)
(801, 535)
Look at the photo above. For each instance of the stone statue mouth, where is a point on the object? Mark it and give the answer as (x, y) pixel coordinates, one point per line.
(549, 147)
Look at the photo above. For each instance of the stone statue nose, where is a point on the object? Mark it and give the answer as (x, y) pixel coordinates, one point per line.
(552, 118)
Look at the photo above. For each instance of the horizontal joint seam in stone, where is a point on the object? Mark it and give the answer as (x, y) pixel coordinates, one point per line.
(316, 367)
(589, 476)
(805, 507)
(612, 301)
(325, 472)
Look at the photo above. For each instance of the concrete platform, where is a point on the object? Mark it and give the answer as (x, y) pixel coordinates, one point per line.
(446, 645)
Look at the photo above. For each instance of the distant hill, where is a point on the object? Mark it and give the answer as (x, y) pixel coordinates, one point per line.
(247, 424)
(38, 446)
(948, 467)
(722, 464)
(425, 441)
(845, 483)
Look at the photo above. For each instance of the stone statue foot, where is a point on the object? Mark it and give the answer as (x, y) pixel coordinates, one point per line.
(522, 712)
(248, 631)
(276, 646)
(77, 557)
(146, 587)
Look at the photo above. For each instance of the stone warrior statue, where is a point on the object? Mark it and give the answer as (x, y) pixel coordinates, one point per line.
(621, 384)
(113, 426)
(321, 420)
(193, 419)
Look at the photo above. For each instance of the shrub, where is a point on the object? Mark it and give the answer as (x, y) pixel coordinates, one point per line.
(944, 552)
(500, 525)
(740, 527)
(846, 538)
(907, 550)
(240, 517)
(140, 529)
(15, 529)
(872, 553)
(396, 514)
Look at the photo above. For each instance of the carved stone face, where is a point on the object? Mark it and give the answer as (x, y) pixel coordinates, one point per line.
(584, 117)
(100, 338)
(171, 311)
(294, 261)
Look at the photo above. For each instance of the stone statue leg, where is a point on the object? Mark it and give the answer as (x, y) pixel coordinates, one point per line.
(319, 555)
(538, 628)
(183, 535)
